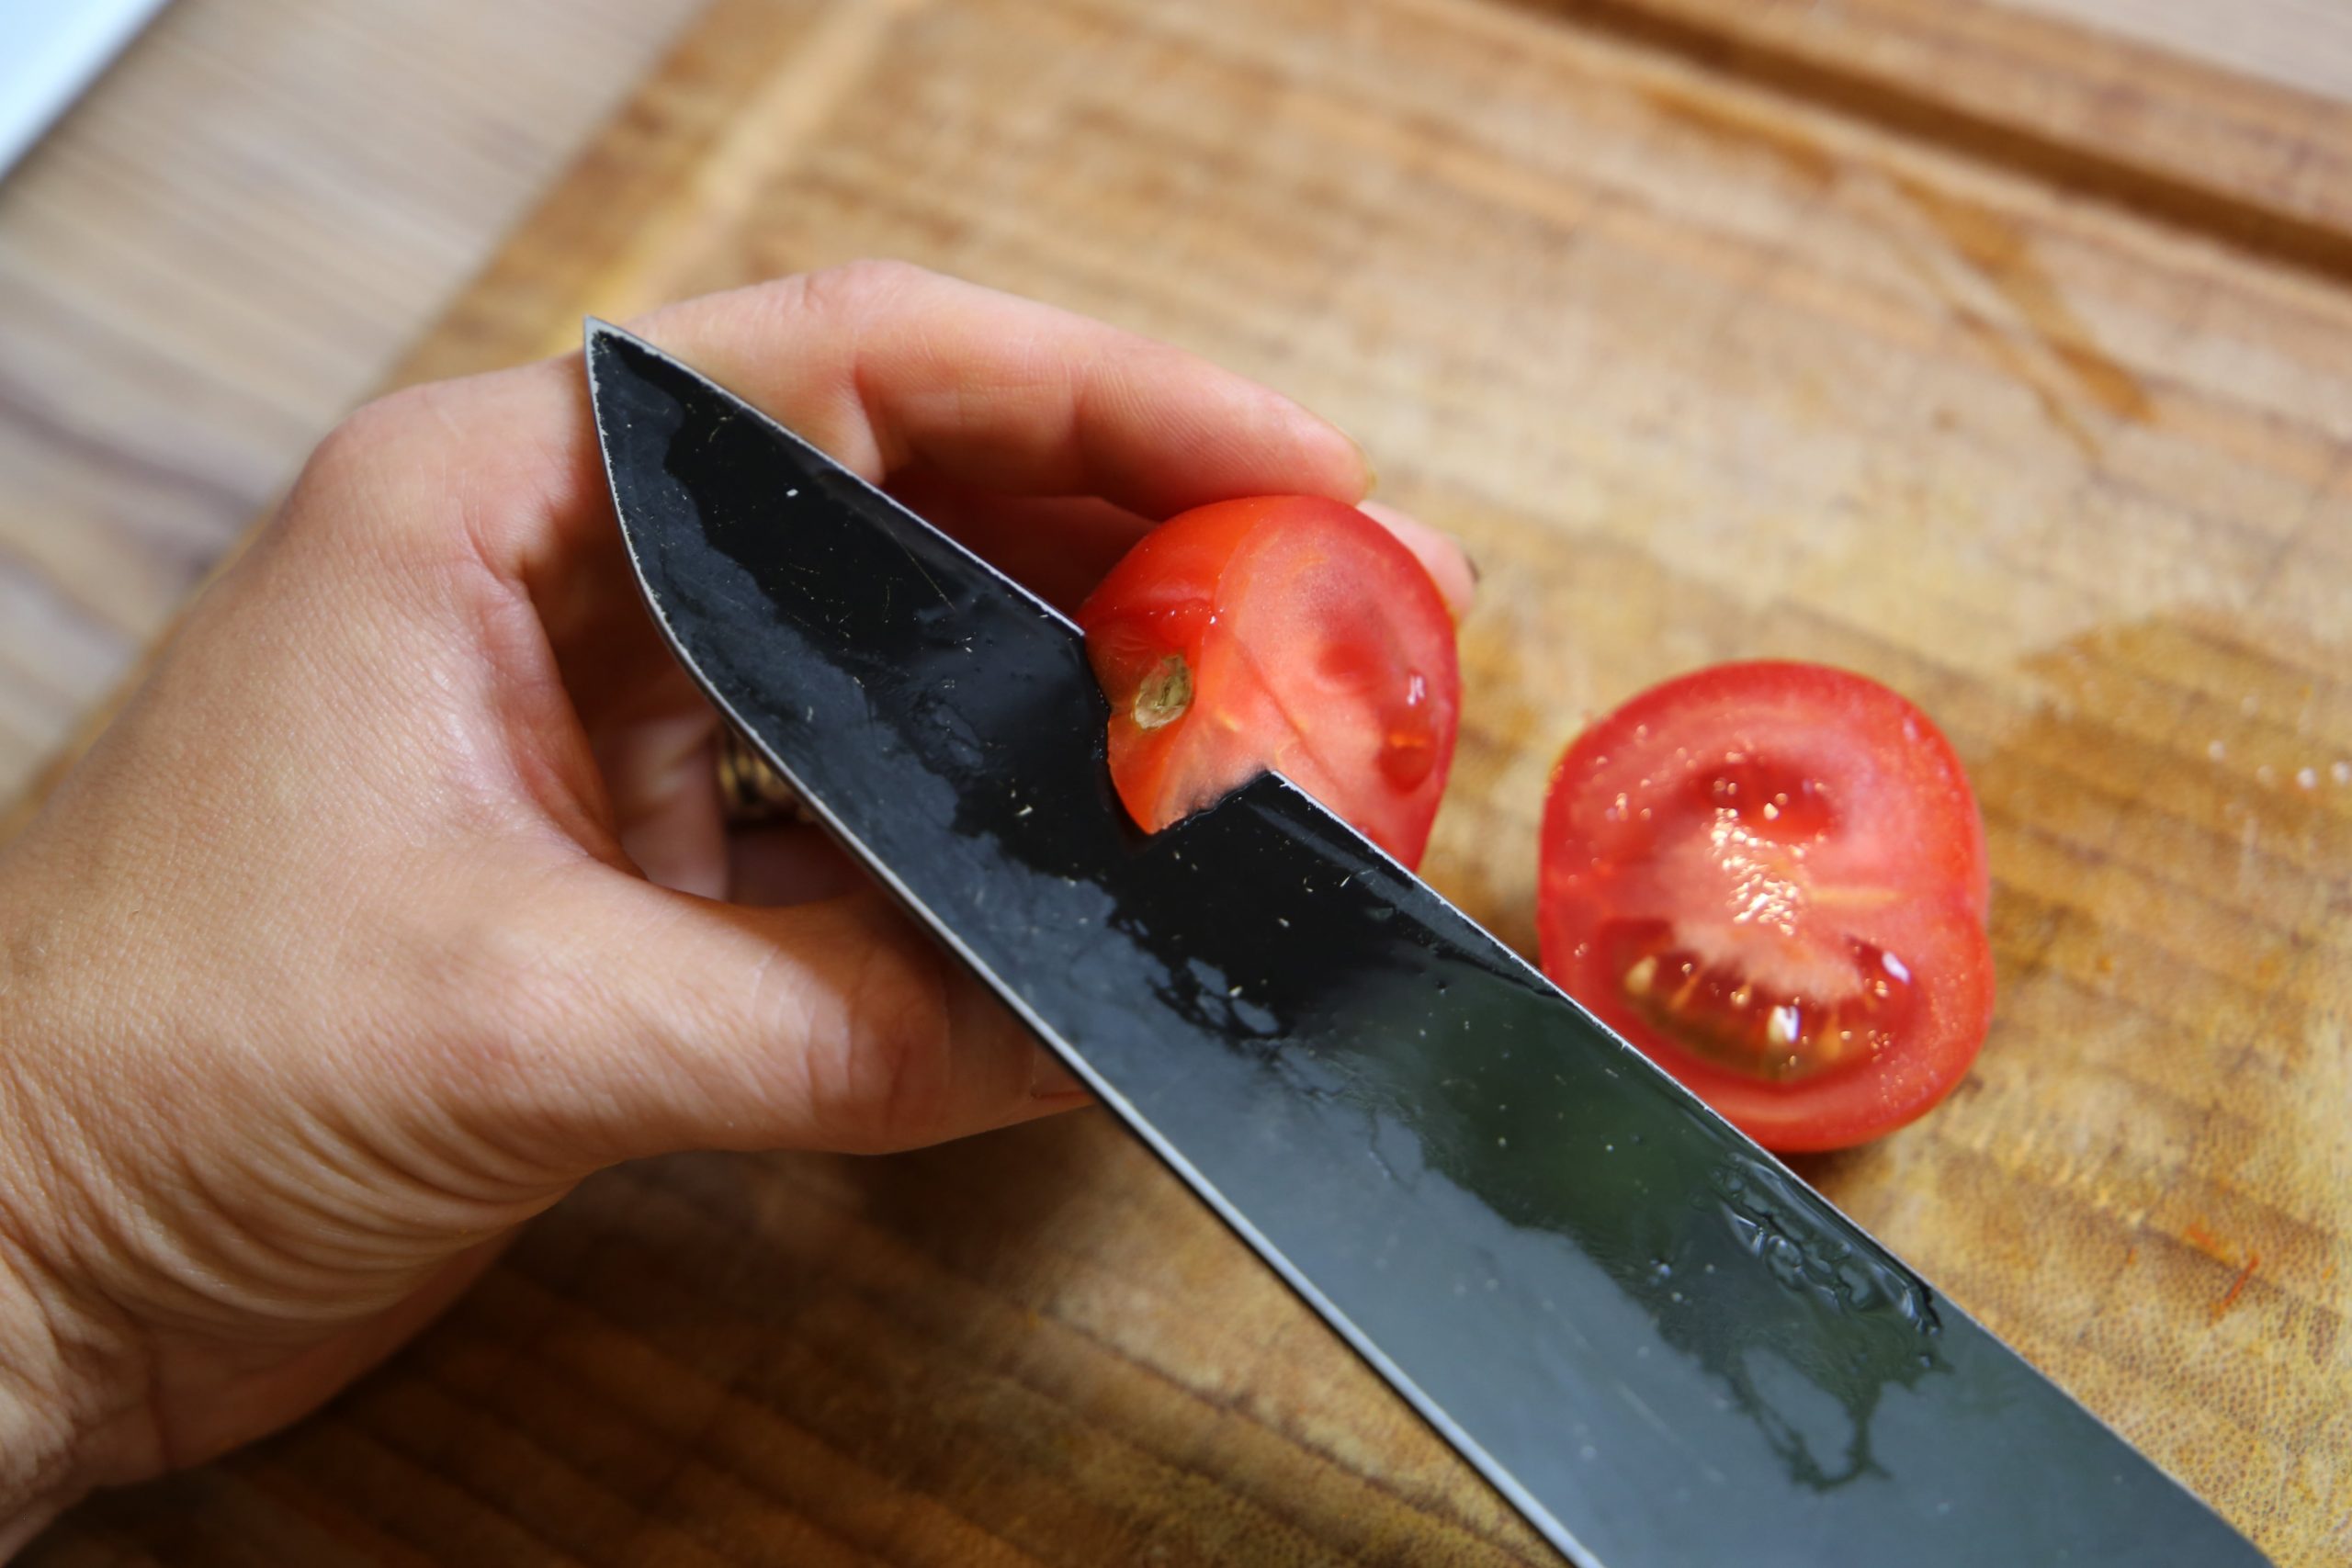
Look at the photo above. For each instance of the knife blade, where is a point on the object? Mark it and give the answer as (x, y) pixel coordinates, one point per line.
(1652, 1338)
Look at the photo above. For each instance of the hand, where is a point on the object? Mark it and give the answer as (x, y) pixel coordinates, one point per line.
(390, 907)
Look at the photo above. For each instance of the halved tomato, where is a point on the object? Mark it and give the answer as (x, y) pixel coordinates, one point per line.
(1284, 632)
(1772, 878)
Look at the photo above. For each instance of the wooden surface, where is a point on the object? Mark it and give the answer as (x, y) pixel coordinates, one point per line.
(222, 248)
(1719, 330)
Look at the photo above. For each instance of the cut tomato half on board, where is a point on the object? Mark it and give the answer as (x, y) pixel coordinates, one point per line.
(1285, 632)
(1772, 878)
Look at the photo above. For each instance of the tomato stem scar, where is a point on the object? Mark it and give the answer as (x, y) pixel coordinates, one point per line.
(1164, 694)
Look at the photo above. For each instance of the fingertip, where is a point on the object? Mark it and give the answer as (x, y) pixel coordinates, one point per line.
(1327, 460)
(1337, 461)
(1346, 461)
(1440, 553)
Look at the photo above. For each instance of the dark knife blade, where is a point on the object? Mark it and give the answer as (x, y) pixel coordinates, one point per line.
(1662, 1347)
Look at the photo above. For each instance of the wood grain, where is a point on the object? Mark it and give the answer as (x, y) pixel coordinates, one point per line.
(1706, 359)
(219, 252)
(2090, 113)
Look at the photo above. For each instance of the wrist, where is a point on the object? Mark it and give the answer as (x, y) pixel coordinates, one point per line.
(40, 1441)
(55, 1349)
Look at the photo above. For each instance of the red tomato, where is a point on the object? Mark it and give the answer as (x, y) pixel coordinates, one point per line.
(1285, 632)
(1772, 878)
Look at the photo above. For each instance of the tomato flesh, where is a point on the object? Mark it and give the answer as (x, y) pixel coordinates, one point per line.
(1772, 878)
(1284, 632)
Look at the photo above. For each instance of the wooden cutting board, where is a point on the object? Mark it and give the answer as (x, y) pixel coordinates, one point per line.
(2006, 364)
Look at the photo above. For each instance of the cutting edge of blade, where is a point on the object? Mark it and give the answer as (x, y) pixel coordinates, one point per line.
(1497, 1474)
(595, 330)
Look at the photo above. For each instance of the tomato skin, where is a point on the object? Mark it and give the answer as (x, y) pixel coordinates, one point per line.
(1305, 639)
(1772, 878)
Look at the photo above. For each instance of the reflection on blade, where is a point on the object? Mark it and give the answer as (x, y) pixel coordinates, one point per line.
(1657, 1342)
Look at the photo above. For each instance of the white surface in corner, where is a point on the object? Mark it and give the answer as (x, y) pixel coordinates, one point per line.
(2300, 43)
(50, 50)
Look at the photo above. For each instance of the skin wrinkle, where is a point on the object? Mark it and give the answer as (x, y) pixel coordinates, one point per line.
(867, 446)
(520, 681)
(1084, 412)
(181, 1181)
(99, 1367)
(203, 1261)
(419, 1147)
(37, 1428)
(371, 1231)
(686, 847)
(895, 1046)
(827, 1075)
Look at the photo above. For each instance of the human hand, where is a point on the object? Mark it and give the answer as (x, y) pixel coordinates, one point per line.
(390, 907)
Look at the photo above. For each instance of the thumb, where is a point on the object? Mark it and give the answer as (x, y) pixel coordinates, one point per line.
(670, 1021)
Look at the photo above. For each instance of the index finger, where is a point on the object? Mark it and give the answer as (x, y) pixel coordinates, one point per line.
(891, 370)
(888, 368)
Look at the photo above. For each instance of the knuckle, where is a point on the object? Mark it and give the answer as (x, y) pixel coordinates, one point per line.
(366, 441)
(362, 481)
(856, 290)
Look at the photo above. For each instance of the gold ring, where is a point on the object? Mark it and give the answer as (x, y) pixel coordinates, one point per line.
(750, 791)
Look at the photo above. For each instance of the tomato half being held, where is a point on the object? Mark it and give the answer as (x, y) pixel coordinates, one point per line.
(1772, 878)
(1285, 632)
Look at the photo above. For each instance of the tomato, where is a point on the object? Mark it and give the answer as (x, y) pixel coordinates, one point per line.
(1772, 878)
(1285, 632)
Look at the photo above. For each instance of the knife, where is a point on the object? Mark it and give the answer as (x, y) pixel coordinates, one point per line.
(1657, 1343)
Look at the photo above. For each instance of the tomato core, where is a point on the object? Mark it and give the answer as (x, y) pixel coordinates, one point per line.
(1164, 694)
(1770, 878)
